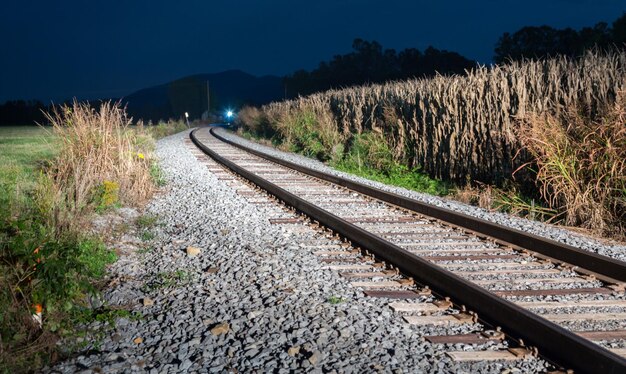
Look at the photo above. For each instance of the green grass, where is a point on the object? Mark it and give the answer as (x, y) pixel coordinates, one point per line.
(23, 149)
(163, 129)
(146, 221)
(399, 176)
(157, 174)
(334, 300)
(369, 156)
(146, 235)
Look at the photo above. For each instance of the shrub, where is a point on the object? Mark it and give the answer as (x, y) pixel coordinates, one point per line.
(581, 164)
(45, 269)
(371, 151)
(253, 120)
(163, 129)
(96, 146)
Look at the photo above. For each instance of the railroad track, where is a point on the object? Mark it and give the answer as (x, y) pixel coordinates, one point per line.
(467, 281)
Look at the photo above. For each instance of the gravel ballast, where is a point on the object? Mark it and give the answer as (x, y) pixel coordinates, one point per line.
(248, 295)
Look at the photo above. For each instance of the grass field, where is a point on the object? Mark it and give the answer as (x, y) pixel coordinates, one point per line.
(22, 150)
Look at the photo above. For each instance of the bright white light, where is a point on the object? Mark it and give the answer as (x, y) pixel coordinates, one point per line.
(186, 115)
(229, 113)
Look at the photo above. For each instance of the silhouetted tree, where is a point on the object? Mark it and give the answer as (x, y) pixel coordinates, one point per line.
(370, 63)
(22, 112)
(544, 41)
(618, 31)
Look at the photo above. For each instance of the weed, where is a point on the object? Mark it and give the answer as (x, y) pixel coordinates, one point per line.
(46, 262)
(144, 250)
(157, 175)
(96, 146)
(147, 235)
(39, 268)
(106, 315)
(79, 332)
(335, 300)
(147, 221)
(580, 163)
(167, 280)
(508, 199)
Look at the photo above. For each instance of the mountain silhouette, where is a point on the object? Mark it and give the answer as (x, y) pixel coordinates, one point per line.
(228, 90)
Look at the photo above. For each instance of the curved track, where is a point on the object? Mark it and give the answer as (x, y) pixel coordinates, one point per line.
(501, 276)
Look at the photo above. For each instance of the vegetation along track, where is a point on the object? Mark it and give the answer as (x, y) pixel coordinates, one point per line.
(566, 302)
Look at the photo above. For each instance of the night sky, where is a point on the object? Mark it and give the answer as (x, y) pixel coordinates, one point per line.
(53, 50)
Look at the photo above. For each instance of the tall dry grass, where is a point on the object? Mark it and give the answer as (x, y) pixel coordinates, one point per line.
(462, 127)
(97, 149)
(581, 164)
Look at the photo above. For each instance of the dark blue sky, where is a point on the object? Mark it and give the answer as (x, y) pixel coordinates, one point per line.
(90, 49)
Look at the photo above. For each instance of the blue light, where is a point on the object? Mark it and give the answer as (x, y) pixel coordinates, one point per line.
(229, 114)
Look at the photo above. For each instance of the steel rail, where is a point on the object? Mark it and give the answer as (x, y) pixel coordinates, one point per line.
(552, 340)
(607, 266)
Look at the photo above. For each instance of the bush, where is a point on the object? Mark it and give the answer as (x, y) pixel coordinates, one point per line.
(107, 195)
(580, 164)
(41, 269)
(163, 129)
(97, 146)
(254, 121)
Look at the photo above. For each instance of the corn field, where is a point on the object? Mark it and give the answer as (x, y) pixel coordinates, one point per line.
(463, 127)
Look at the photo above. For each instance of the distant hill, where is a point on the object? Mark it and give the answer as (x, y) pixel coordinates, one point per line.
(229, 89)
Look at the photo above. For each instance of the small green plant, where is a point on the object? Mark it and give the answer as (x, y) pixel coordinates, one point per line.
(147, 235)
(513, 202)
(163, 129)
(44, 272)
(79, 334)
(335, 300)
(167, 280)
(508, 199)
(147, 221)
(157, 174)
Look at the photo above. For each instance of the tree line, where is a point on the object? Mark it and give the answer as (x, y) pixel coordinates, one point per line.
(370, 63)
(22, 112)
(30, 112)
(544, 41)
